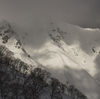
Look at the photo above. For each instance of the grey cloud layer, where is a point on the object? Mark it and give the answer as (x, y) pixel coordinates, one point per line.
(85, 13)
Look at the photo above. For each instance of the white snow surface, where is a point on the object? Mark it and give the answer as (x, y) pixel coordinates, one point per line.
(68, 52)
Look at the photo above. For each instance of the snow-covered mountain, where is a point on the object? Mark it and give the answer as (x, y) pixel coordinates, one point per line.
(68, 52)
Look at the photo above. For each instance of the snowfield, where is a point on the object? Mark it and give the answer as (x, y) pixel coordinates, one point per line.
(68, 52)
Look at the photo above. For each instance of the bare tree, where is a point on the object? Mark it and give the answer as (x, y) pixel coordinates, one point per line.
(36, 84)
(55, 89)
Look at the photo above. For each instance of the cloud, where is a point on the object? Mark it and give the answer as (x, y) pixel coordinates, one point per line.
(85, 13)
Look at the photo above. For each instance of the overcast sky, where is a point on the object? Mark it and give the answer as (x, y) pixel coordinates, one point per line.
(85, 13)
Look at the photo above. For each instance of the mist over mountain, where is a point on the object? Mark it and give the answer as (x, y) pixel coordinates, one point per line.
(68, 52)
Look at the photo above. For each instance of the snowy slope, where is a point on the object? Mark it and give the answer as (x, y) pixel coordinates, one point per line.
(68, 52)
(10, 39)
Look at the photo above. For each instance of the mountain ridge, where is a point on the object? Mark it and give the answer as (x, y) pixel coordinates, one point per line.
(72, 43)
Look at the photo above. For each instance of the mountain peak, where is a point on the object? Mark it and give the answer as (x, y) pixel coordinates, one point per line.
(63, 49)
(4, 23)
(5, 31)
